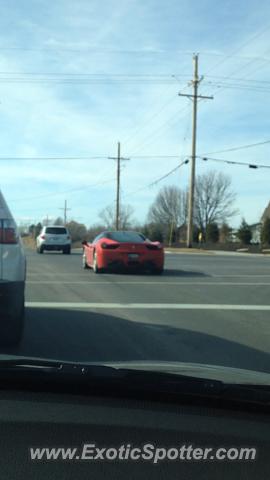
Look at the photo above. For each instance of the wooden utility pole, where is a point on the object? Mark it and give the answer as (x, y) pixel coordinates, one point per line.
(117, 214)
(195, 83)
(65, 209)
(118, 174)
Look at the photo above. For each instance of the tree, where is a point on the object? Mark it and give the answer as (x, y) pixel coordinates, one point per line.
(169, 210)
(108, 216)
(31, 230)
(58, 221)
(37, 229)
(244, 233)
(78, 231)
(94, 231)
(225, 233)
(214, 199)
(265, 232)
(212, 232)
(153, 231)
(195, 233)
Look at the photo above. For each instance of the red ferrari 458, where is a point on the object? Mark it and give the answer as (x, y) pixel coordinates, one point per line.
(123, 250)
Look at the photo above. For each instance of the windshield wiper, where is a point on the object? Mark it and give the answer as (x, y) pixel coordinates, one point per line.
(100, 379)
(58, 367)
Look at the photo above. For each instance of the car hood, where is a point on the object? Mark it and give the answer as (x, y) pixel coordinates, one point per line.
(200, 370)
(221, 373)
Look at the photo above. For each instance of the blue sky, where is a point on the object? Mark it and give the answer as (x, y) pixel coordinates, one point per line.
(44, 45)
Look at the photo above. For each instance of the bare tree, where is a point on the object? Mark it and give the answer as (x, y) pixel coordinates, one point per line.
(169, 207)
(214, 199)
(108, 214)
(77, 231)
(58, 221)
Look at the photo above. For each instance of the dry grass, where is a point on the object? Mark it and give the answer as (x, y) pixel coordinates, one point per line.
(29, 242)
(187, 250)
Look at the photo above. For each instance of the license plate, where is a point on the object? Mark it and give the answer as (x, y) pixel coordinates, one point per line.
(133, 256)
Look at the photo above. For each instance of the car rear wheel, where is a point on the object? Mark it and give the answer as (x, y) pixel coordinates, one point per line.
(84, 262)
(157, 271)
(96, 268)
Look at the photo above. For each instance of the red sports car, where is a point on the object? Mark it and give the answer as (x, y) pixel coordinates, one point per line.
(122, 249)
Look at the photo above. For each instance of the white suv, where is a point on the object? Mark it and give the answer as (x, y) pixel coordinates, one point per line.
(55, 237)
(12, 278)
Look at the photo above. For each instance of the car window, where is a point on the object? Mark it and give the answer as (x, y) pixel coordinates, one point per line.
(56, 231)
(126, 237)
(101, 235)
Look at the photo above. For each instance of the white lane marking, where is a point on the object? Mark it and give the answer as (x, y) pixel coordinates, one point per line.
(190, 272)
(146, 306)
(238, 276)
(55, 282)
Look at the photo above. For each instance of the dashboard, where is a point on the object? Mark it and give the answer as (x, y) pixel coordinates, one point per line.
(46, 420)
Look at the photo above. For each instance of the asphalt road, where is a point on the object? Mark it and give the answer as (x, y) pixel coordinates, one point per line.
(211, 309)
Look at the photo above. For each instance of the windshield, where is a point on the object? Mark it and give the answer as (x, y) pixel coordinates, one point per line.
(144, 122)
(125, 237)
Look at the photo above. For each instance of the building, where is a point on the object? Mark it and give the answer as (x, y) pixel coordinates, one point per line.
(266, 213)
(256, 232)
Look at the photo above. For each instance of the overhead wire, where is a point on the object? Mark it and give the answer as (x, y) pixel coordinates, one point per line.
(241, 147)
(72, 190)
(159, 179)
(233, 162)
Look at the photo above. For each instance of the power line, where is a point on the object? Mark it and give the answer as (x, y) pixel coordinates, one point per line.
(252, 88)
(248, 80)
(230, 76)
(47, 195)
(156, 156)
(155, 182)
(241, 147)
(54, 158)
(232, 162)
(254, 37)
(105, 157)
(174, 119)
(169, 173)
(101, 75)
(87, 49)
(150, 119)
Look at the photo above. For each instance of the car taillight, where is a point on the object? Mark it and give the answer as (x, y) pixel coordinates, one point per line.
(43, 237)
(8, 233)
(109, 246)
(68, 237)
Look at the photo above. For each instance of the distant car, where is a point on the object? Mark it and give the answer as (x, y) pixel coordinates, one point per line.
(12, 278)
(54, 238)
(123, 249)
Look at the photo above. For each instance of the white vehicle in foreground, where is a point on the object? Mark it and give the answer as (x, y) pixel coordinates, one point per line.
(12, 278)
(55, 237)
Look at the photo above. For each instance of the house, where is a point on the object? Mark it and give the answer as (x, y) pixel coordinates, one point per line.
(256, 232)
(266, 213)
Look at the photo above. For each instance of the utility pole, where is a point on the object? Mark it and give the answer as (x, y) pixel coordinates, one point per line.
(195, 83)
(65, 209)
(117, 213)
(118, 159)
